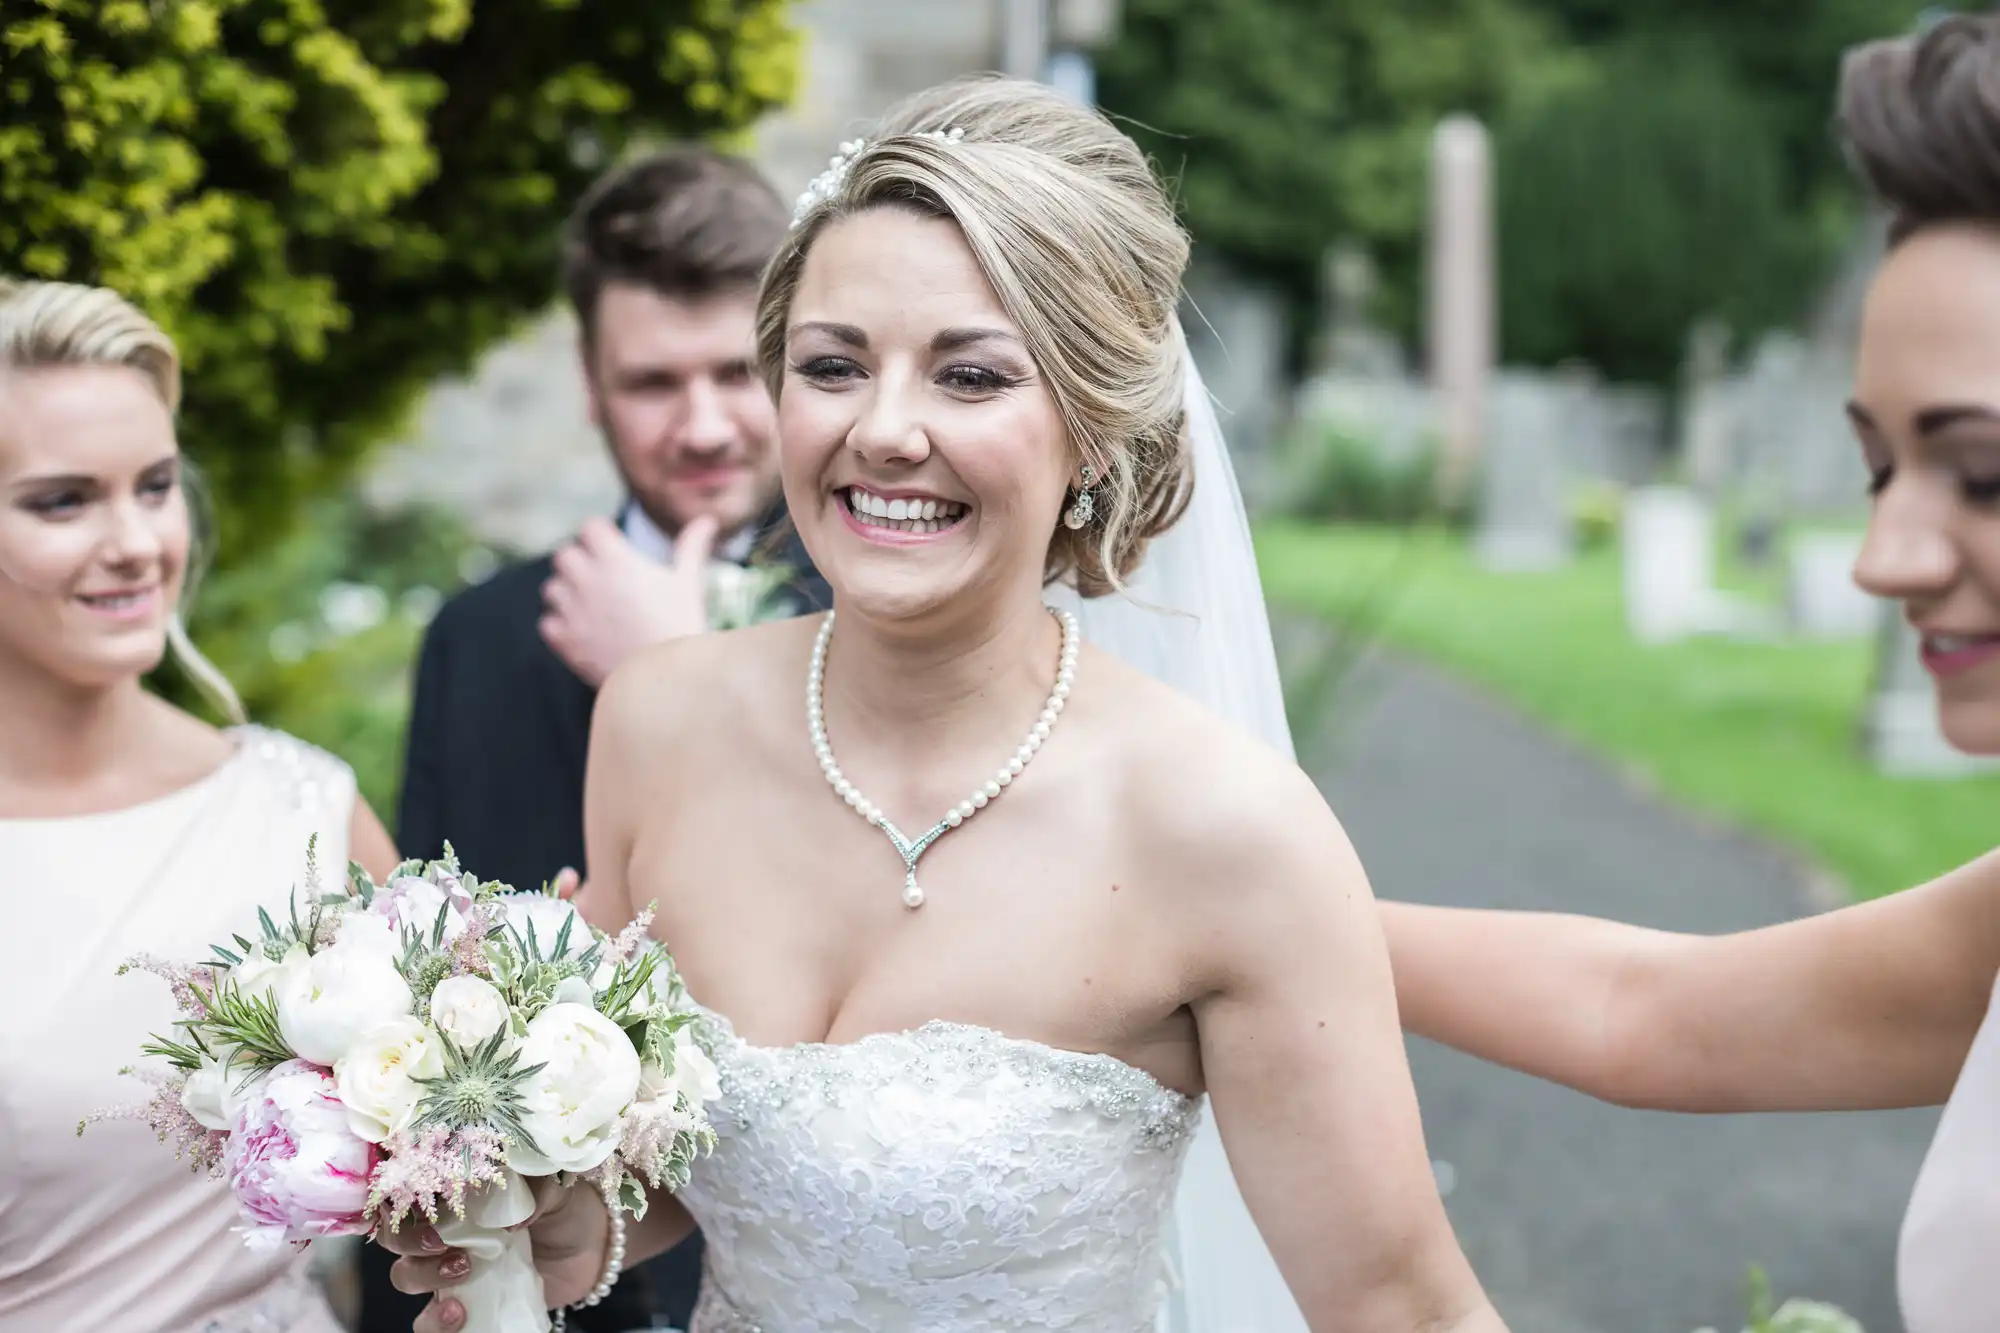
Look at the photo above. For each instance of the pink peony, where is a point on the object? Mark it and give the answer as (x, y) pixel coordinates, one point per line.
(299, 1173)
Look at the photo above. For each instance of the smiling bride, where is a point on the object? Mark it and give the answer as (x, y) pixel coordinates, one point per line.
(976, 913)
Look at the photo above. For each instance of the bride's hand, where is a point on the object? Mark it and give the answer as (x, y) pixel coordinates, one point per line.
(571, 1233)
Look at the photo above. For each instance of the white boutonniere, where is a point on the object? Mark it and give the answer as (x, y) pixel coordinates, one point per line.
(740, 595)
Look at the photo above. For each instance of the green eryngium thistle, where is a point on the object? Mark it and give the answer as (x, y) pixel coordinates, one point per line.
(479, 1087)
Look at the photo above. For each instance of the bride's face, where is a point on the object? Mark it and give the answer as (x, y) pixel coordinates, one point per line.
(924, 457)
(93, 526)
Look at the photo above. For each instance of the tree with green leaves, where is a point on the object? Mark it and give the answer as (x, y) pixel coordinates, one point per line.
(1287, 124)
(330, 205)
(1690, 171)
(1639, 202)
(1645, 132)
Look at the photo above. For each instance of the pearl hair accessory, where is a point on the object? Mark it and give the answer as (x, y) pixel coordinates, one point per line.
(614, 1266)
(827, 184)
(913, 894)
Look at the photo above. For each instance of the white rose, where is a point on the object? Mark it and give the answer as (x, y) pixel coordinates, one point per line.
(339, 994)
(468, 1010)
(547, 916)
(214, 1093)
(377, 1076)
(257, 974)
(695, 1075)
(204, 1095)
(573, 1106)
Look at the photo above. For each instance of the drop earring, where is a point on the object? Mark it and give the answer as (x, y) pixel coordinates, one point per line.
(1084, 507)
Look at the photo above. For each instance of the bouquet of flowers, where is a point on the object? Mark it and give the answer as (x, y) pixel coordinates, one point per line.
(1794, 1316)
(742, 595)
(427, 1046)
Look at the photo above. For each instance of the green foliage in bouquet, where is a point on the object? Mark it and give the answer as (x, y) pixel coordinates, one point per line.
(1794, 1316)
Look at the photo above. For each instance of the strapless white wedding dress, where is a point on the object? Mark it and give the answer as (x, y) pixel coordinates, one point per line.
(946, 1178)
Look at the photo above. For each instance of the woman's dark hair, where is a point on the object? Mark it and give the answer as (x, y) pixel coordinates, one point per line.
(1921, 120)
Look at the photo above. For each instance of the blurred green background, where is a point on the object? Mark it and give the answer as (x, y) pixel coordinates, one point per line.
(333, 207)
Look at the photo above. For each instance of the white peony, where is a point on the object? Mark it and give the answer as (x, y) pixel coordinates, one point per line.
(370, 931)
(695, 1075)
(413, 903)
(547, 916)
(468, 1010)
(572, 1107)
(575, 990)
(338, 995)
(258, 974)
(377, 1077)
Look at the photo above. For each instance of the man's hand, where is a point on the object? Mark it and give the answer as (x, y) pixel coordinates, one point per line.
(606, 601)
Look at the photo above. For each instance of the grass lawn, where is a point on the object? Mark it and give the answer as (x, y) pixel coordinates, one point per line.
(1763, 735)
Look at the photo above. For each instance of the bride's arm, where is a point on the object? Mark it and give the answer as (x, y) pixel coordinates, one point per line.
(616, 779)
(1305, 1066)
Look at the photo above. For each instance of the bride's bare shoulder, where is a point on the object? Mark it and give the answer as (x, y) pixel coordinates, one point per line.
(1210, 806)
(701, 687)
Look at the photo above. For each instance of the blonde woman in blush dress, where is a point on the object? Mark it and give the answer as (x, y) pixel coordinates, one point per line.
(126, 826)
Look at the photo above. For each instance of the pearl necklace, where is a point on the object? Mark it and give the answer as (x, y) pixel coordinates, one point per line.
(910, 850)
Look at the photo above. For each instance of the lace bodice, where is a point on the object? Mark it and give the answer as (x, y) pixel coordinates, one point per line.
(946, 1178)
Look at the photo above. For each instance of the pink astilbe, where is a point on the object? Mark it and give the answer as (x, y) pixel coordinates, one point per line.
(420, 1170)
(468, 951)
(169, 1120)
(652, 1130)
(629, 939)
(182, 978)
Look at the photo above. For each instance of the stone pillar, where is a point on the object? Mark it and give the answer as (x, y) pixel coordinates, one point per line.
(1461, 323)
(1024, 38)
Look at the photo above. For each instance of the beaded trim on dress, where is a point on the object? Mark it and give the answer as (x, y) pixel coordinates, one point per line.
(944, 1179)
(959, 1052)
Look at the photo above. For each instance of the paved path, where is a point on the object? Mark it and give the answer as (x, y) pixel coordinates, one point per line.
(1580, 1217)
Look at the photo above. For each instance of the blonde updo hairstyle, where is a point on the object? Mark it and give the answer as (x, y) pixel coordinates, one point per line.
(50, 324)
(1071, 227)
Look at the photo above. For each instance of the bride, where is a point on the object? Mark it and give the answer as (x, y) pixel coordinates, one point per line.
(975, 912)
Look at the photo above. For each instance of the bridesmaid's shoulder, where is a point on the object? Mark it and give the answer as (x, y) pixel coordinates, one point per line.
(298, 774)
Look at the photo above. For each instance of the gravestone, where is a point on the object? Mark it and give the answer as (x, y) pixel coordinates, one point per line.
(1348, 342)
(1901, 729)
(1668, 552)
(1236, 333)
(1705, 417)
(1523, 524)
(1822, 599)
